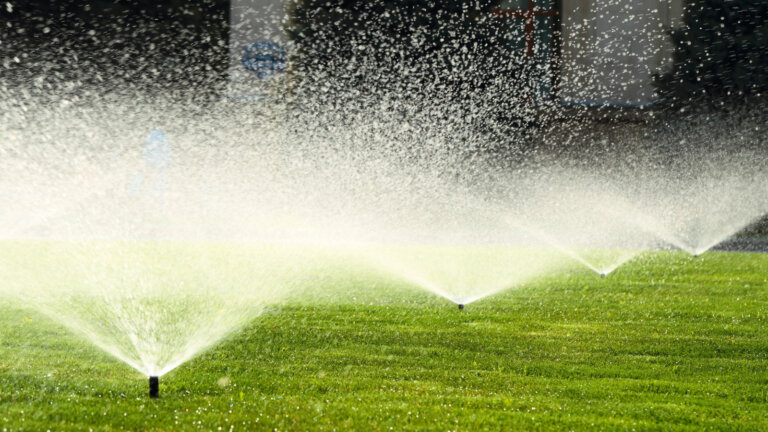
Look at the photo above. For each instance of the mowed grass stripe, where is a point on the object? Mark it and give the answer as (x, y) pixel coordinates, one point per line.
(667, 342)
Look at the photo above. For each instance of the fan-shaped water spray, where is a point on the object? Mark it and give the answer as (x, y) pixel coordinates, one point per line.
(707, 209)
(152, 275)
(580, 214)
(156, 221)
(704, 181)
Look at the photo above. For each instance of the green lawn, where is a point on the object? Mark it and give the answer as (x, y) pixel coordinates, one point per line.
(667, 342)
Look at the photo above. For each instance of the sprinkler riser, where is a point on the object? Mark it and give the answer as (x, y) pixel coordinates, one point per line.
(461, 307)
(154, 386)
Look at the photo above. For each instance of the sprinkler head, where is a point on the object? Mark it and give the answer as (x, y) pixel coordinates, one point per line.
(461, 306)
(154, 386)
(602, 275)
(695, 255)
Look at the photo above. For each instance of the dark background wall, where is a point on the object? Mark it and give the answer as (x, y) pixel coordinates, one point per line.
(168, 42)
(720, 57)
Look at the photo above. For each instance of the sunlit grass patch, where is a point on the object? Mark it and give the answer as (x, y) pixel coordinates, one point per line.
(665, 342)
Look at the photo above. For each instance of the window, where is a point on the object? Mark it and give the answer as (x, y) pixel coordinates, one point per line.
(539, 23)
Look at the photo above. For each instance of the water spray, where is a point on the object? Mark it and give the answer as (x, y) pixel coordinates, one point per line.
(154, 386)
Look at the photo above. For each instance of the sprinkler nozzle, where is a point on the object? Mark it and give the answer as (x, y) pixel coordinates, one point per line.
(154, 386)
(695, 255)
(602, 275)
(461, 306)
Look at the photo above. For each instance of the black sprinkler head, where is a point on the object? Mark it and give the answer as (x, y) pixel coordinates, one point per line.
(154, 386)
(461, 306)
(602, 275)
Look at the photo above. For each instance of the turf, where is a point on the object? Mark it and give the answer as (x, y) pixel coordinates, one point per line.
(667, 342)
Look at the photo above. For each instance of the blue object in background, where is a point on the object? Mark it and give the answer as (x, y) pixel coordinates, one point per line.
(265, 59)
(157, 160)
(157, 150)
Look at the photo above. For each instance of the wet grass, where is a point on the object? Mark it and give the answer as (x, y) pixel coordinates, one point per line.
(666, 342)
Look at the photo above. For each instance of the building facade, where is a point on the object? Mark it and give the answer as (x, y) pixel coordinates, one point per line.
(591, 52)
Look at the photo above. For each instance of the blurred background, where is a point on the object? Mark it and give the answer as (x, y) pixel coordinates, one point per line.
(170, 42)
(583, 52)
